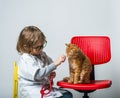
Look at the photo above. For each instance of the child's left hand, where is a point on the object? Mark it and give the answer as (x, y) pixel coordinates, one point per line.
(53, 74)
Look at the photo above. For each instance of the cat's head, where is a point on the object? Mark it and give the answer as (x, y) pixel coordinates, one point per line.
(72, 50)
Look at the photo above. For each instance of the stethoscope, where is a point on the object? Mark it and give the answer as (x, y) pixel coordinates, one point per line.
(43, 89)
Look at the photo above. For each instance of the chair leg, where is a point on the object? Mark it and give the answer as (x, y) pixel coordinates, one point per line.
(85, 95)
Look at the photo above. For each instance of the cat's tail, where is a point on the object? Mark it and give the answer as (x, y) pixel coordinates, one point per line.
(66, 79)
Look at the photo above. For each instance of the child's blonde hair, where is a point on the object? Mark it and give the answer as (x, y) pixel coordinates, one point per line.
(28, 37)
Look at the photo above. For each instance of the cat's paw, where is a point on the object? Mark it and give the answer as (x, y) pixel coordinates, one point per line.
(80, 81)
(69, 81)
(76, 82)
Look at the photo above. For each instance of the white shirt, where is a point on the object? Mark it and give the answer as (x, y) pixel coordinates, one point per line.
(33, 72)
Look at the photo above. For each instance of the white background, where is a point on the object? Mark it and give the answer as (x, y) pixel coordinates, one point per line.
(60, 20)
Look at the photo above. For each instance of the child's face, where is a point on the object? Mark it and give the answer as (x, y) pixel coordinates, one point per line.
(36, 50)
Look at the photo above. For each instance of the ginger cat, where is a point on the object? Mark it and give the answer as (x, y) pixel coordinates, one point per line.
(79, 65)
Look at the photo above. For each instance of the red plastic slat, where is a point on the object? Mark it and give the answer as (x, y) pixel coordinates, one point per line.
(97, 48)
(94, 85)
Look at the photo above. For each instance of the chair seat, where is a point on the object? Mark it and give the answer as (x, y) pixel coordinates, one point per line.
(93, 85)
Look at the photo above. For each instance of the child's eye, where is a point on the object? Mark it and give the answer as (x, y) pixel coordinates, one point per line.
(41, 46)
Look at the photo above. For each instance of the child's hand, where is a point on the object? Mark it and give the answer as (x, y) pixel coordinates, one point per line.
(61, 59)
(53, 74)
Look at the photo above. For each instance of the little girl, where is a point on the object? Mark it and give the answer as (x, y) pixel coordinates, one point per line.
(35, 67)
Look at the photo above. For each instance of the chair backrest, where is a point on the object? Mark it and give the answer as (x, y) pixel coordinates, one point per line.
(15, 81)
(97, 48)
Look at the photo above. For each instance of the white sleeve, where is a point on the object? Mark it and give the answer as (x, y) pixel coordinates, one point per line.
(27, 67)
(43, 72)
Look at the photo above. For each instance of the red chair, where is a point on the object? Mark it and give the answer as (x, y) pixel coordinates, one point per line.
(97, 48)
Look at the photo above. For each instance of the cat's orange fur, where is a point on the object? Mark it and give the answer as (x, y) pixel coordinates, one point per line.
(79, 65)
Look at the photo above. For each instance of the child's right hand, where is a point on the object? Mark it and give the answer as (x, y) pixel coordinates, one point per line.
(61, 59)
